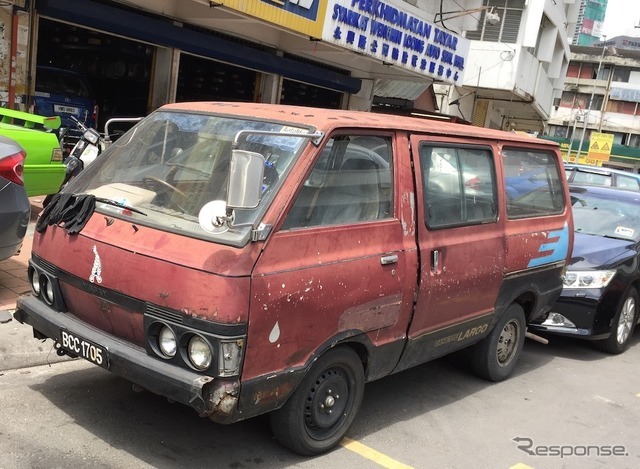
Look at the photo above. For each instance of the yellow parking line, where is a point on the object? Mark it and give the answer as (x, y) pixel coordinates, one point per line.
(373, 455)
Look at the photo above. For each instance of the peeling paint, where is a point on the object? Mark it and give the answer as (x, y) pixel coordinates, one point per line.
(275, 333)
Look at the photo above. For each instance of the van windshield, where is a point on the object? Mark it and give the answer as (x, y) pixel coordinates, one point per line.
(173, 162)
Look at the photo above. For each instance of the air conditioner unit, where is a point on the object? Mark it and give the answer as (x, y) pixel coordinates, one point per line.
(579, 118)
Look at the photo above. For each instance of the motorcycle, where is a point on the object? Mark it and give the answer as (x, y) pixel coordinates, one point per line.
(85, 150)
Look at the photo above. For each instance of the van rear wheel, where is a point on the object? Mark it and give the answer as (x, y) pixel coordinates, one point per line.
(495, 357)
(321, 409)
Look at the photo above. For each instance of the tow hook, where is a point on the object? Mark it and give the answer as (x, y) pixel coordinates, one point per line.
(537, 338)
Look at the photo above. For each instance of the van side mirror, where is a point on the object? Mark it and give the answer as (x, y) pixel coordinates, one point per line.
(243, 191)
(245, 179)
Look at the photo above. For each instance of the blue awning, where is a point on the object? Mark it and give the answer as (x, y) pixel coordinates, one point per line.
(164, 32)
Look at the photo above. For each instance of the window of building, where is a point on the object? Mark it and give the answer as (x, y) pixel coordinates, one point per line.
(459, 186)
(574, 70)
(621, 74)
(581, 100)
(602, 73)
(634, 140)
(510, 12)
(559, 131)
(622, 107)
(587, 70)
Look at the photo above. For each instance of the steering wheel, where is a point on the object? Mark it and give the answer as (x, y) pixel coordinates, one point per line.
(153, 183)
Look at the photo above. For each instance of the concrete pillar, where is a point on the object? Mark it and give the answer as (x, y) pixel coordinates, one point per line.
(270, 88)
(165, 77)
(363, 100)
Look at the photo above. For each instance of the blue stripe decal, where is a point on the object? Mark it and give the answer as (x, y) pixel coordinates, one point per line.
(559, 248)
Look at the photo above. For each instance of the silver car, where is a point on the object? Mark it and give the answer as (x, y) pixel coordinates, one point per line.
(15, 208)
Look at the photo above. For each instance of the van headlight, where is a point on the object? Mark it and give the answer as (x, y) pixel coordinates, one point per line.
(167, 342)
(46, 287)
(199, 352)
(588, 279)
(34, 278)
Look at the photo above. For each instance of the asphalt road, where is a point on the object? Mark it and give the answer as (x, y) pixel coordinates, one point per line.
(572, 405)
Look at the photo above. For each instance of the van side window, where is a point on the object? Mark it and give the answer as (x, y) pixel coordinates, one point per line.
(352, 181)
(459, 186)
(532, 182)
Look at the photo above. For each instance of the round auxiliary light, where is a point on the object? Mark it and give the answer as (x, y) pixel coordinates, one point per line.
(167, 342)
(47, 289)
(200, 353)
(35, 282)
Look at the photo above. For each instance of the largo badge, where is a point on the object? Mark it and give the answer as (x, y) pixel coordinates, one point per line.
(96, 270)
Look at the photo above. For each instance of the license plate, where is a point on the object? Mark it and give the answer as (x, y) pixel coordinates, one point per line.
(83, 348)
(67, 109)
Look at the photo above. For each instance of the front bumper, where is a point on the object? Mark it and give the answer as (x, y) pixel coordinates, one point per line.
(213, 398)
(584, 309)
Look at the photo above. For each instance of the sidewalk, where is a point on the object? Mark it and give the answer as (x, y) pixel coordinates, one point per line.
(18, 348)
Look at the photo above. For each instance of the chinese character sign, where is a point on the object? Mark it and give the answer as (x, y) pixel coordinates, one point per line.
(396, 35)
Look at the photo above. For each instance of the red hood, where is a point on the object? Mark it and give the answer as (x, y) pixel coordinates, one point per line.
(154, 266)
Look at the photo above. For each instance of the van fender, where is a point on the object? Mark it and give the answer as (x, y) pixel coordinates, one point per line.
(270, 392)
(535, 289)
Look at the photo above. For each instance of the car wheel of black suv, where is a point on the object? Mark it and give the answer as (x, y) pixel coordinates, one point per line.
(623, 324)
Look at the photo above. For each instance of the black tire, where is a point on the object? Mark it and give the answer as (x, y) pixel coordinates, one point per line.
(623, 324)
(323, 406)
(495, 357)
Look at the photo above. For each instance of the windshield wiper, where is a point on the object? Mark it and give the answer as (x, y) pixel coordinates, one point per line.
(115, 203)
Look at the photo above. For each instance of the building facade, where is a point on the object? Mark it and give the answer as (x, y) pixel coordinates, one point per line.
(588, 28)
(139, 54)
(518, 59)
(602, 94)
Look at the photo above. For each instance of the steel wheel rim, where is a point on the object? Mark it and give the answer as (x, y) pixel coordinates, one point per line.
(508, 343)
(328, 403)
(625, 321)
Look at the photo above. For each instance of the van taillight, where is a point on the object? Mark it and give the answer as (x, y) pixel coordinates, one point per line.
(12, 167)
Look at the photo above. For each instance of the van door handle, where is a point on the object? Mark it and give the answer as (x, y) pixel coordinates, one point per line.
(386, 260)
(435, 261)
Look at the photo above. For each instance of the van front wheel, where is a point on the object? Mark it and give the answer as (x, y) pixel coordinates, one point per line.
(495, 357)
(321, 409)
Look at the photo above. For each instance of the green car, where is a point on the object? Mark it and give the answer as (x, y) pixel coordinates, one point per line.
(43, 168)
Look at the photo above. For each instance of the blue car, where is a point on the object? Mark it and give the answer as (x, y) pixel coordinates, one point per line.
(599, 300)
(64, 93)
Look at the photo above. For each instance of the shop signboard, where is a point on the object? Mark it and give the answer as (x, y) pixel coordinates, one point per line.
(303, 16)
(397, 34)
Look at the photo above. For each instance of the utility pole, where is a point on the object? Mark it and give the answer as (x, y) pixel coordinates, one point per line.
(593, 92)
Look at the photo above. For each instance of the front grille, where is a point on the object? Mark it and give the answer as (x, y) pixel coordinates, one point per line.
(163, 313)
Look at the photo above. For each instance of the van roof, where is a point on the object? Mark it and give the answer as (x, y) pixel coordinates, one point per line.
(330, 118)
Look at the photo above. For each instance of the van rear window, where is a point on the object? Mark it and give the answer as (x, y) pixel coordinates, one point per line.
(533, 183)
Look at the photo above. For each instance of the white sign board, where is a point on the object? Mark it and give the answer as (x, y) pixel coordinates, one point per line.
(393, 32)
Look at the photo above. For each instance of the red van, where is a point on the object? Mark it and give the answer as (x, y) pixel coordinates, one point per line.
(253, 258)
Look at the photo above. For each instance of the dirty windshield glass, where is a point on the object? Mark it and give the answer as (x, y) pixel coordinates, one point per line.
(173, 163)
